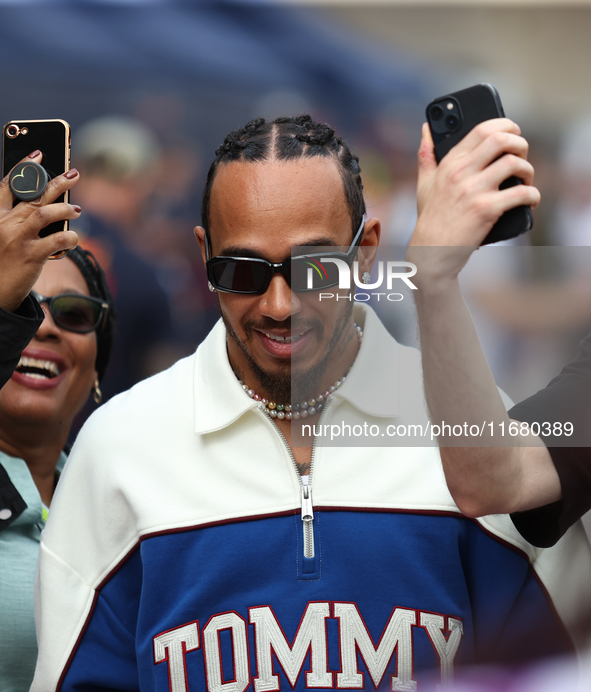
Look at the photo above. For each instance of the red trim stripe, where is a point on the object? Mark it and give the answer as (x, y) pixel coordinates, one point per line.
(296, 511)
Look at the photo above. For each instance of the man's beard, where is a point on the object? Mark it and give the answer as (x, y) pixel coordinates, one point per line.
(290, 385)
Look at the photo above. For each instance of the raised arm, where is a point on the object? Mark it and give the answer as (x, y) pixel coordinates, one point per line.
(22, 252)
(22, 256)
(458, 202)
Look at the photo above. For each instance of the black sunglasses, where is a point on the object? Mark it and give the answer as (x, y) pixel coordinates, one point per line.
(252, 275)
(74, 312)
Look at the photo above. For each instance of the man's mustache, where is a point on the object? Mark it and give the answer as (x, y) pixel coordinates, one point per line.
(294, 326)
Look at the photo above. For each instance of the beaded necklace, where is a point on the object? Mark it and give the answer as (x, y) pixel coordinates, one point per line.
(305, 408)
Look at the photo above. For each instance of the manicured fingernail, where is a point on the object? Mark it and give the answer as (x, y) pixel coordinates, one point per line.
(34, 154)
(72, 173)
(76, 208)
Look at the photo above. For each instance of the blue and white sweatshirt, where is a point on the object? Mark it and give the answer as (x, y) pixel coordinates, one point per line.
(175, 557)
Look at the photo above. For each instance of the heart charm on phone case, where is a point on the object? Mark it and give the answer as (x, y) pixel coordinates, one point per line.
(28, 181)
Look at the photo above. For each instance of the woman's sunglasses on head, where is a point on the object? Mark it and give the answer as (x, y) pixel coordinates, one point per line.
(252, 275)
(74, 312)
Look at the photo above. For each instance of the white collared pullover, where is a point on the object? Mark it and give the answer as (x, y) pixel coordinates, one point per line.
(182, 553)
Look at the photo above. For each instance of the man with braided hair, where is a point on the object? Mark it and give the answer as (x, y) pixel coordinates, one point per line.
(219, 546)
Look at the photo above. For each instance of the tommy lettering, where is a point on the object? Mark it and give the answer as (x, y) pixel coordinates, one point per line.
(311, 640)
(354, 634)
(446, 649)
(311, 635)
(213, 658)
(171, 646)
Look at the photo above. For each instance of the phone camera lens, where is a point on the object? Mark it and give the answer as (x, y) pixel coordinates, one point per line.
(436, 113)
(452, 121)
(12, 131)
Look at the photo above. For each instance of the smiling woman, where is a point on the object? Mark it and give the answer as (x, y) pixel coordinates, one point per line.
(57, 371)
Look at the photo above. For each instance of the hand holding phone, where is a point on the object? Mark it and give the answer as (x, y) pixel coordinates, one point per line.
(52, 139)
(450, 119)
(460, 199)
(22, 251)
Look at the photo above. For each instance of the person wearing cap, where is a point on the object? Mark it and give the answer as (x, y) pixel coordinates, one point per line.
(118, 159)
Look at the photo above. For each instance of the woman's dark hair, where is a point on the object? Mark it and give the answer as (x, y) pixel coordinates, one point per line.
(98, 288)
(289, 138)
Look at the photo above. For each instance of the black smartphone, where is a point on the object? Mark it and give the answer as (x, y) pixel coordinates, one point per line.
(52, 138)
(450, 119)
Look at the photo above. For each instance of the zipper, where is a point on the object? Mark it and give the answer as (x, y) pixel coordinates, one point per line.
(305, 489)
(308, 519)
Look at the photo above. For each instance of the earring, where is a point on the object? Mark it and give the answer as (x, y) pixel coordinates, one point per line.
(210, 286)
(97, 395)
(366, 277)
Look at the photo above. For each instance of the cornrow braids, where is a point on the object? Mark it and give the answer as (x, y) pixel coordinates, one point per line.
(284, 139)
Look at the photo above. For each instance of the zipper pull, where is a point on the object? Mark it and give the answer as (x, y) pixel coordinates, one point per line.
(307, 511)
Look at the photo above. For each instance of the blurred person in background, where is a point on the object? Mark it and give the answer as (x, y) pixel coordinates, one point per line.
(540, 294)
(119, 159)
(573, 216)
(166, 240)
(166, 237)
